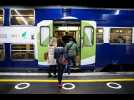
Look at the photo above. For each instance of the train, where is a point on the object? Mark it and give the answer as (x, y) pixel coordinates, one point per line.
(105, 37)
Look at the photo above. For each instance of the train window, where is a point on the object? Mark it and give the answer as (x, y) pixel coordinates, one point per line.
(88, 36)
(121, 35)
(44, 35)
(22, 17)
(99, 35)
(22, 51)
(1, 17)
(1, 52)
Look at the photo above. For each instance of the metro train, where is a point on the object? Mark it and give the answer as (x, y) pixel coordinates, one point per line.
(105, 37)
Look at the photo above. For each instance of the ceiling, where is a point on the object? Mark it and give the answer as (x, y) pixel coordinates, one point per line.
(85, 3)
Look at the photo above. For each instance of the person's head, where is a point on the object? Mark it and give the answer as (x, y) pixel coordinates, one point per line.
(53, 42)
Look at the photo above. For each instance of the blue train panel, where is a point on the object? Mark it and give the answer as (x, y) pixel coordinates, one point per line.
(102, 17)
(108, 54)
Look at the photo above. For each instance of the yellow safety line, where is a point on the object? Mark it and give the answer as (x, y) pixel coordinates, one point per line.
(77, 81)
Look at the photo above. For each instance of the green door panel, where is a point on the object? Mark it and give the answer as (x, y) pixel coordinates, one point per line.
(42, 49)
(87, 50)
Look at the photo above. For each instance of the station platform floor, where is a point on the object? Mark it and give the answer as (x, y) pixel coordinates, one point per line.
(75, 83)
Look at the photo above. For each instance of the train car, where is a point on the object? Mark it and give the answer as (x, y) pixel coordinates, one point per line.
(104, 37)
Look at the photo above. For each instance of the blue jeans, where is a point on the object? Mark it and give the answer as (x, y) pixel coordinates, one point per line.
(60, 72)
(72, 62)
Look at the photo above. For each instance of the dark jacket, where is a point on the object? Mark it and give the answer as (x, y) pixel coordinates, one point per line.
(58, 52)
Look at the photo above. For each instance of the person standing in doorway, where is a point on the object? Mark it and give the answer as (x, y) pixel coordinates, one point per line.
(72, 51)
(51, 60)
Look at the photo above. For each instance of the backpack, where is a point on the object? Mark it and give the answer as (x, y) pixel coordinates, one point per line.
(71, 52)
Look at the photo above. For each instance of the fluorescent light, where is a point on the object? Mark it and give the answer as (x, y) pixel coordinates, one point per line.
(67, 28)
(121, 31)
(1, 18)
(117, 12)
(69, 17)
(100, 30)
(30, 17)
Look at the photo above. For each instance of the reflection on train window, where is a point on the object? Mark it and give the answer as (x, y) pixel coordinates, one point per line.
(1, 52)
(1, 17)
(22, 51)
(22, 17)
(44, 35)
(88, 36)
(121, 35)
(99, 35)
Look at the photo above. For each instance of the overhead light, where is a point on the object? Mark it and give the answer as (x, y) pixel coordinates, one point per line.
(1, 18)
(30, 17)
(68, 28)
(117, 12)
(121, 30)
(100, 30)
(69, 17)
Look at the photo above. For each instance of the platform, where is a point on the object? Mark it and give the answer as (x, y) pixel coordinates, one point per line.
(81, 83)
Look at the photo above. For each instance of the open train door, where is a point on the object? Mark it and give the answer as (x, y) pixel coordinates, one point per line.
(42, 40)
(88, 43)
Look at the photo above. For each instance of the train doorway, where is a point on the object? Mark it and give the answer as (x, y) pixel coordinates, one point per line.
(65, 30)
(83, 33)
